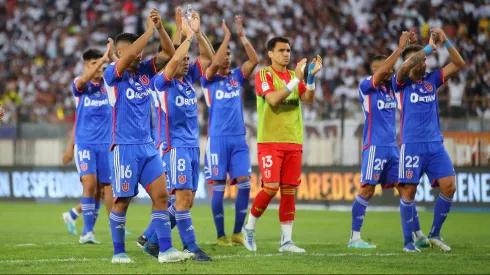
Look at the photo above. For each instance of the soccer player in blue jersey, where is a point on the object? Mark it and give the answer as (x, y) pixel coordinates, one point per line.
(422, 150)
(227, 149)
(91, 138)
(133, 157)
(380, 154)
(175, 88)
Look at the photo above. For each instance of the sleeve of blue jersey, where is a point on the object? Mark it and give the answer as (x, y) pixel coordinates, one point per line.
(195, 71)
(147, 67)
(160, 82)
(436, 77)
(110, 74)
(366, 85)
(238, 74)
(76, 92)
(396, 86)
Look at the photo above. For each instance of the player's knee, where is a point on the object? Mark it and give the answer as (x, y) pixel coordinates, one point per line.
(183, 199)
(89, 186)
(407, 191)
(121, 205)
(367, 191)
(160, 198)
(273, 185)
(448, 187)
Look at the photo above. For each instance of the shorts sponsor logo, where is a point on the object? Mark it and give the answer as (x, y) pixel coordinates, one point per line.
(125, 186)
(84, 166)
(182, 179)
(409, 174)
(267, 173)
(376, 176)
(215, 171)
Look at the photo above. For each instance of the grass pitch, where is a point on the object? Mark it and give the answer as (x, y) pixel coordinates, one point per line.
(34, 239)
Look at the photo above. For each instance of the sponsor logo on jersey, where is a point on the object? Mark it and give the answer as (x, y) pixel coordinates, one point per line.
(182, 179)
(181, 101)
(132, 94)
(125, 186)
(414, 98)
(220, 94)
(87, 102)
(386, 105)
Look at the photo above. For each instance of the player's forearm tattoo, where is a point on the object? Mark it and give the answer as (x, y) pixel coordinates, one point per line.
(415, 59)
(160, 62)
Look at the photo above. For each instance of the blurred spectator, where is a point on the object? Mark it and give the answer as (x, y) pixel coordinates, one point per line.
(456, 91)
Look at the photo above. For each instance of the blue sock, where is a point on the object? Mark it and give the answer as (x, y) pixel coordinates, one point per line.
(186, 229)
(96, 212)
(217, 208)
(443, 206)
(358, 213)
(416, 221)
(160, 221)
(171, 215)
(149, 231)
(88, 209)
(241, 205)
(74, 214)
(153, 240)
(406, 213)
(118, 225)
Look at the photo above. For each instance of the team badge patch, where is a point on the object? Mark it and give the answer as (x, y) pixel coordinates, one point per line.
(409, 174)
(215, 171)
(265, 86)
(144, 80)
(233, 82)
(182, 179)
(125, 187)
(84, 166)
(267, 173)
(428, 87)
(376, 176)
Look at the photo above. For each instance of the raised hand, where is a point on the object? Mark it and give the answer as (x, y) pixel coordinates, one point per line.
(226, 31)
(300, 67)
(413, 37)
(195, 22)
(178, 17)
(404, 40)
(149, 24)
(433, 41)
(156, 18)
(318, 65)
(239, 26)
(441, 35)
(186, 29)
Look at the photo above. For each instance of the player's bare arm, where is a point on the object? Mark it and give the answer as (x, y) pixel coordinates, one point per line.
(205, 51)
(386, 67)
(415, 59)
(220, 54)
(70, 149)
(276, 97)
(135, 48)
(253, 59)
(181, 52)
(177, 39)
(112, 50)
(168, 49)
(457, 62)
(316, 65)
(90, 73)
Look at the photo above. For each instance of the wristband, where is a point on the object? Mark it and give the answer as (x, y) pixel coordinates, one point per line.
(292, 84)
(428, 49)
(310, 87)
(448, 44)
(311, 78)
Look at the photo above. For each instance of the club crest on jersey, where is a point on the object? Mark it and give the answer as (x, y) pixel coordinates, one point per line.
(376, 176)
(267, 174)
(182, 179)
(180, 87)
(428, 87)
(125, 186)
(144, 80)
(233, 82)
(84, 167)
(409, 174)
(215, 171)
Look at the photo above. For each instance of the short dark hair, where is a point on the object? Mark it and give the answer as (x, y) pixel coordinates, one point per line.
(128, 37)
(278, 39)
(92, 54)
(378, 57)
(410, 49)
(216, 46)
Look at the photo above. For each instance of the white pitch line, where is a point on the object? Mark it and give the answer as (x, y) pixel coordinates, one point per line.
(38, 244)
(54, 260)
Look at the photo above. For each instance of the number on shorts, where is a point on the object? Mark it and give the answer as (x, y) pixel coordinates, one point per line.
(85, 154)
(214, 159)
(379, 164)
(181, 165)
(267, 161)
(410, 159)
(127, 173)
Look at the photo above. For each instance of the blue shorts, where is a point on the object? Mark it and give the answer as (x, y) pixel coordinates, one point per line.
(183, 171)
(380, 165)
(131, 164)
(161, 150)
(93, 159)
(424, 157)
(227, 154)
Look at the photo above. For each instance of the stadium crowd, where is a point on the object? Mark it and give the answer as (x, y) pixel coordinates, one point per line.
(40, 57)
